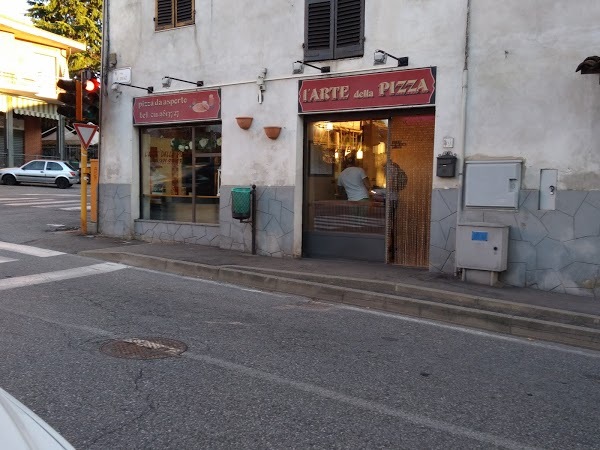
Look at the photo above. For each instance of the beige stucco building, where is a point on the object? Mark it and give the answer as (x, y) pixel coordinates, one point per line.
(477, 102)
(31, 61)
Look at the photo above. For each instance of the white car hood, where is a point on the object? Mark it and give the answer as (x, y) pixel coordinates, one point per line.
(22, 429)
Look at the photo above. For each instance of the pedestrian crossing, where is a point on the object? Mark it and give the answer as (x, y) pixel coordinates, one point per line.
(46, 277)
(63, 202)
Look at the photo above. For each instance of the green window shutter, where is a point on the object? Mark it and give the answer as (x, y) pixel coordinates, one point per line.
(185, 12)
(164, 14)
(318, 32)
(349, 28)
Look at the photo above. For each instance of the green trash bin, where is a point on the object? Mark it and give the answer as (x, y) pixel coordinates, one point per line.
(241, 203)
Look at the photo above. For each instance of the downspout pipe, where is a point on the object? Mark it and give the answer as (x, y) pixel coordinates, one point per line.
(104, 55)
(463, 118)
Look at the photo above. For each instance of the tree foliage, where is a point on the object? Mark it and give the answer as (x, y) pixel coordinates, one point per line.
(80, 20)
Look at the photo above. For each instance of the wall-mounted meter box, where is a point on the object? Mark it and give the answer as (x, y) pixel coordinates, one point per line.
(482, 246)
(493, 184)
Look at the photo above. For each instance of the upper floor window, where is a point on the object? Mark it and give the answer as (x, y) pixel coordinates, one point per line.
(173, 13)
(334, 29)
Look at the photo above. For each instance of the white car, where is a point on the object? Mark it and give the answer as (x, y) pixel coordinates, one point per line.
(41, 171)
(22, 429)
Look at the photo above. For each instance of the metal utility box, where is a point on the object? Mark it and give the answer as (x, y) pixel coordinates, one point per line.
(493, 184)
(482, 246)
(241, 203)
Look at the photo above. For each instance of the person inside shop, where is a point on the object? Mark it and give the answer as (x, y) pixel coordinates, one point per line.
(396, 182)
(355, 181)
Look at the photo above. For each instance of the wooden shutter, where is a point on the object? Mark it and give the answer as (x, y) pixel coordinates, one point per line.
(185, 12)
(318, 35)
(349, 28)
(164, 14)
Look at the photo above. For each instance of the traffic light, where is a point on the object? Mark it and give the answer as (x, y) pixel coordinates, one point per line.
(69, 98)
(90, 99)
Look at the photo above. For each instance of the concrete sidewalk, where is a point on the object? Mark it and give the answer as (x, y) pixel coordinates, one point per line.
(522, 312)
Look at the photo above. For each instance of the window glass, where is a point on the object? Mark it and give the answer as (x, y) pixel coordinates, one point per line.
(34, 165)
(180, 169)
(346, 177)
(53, 166)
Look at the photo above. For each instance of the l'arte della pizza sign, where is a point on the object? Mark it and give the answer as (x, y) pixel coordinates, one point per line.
(379, 90)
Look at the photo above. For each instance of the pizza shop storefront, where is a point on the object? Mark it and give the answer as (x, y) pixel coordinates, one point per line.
(380, 127)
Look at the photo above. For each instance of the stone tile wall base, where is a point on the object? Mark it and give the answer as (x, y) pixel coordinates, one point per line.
(183, 232)
(549, 250)
(114, 210)
(274, 222)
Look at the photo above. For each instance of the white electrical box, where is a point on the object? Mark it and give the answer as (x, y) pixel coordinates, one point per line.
(493, 184)
(482, 246)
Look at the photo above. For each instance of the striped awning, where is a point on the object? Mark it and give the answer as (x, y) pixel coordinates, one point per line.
(30, 107)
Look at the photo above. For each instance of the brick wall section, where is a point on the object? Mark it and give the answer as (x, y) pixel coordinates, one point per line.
(33, 137)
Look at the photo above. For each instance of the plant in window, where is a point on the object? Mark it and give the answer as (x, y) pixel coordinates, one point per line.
(180, 145)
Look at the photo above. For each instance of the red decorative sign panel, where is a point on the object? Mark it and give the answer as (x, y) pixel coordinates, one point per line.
(372, 91)
(176, 108)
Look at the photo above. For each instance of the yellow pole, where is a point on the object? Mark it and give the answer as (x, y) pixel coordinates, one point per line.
(82, 161)
(84, 174)
(94, 190)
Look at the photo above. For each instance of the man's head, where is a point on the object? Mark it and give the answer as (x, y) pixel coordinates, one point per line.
(350, 160)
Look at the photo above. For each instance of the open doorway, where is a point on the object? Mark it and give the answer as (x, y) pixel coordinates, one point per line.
(367, 189)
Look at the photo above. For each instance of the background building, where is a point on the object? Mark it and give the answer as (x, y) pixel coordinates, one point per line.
(486, 117)
(31, 61)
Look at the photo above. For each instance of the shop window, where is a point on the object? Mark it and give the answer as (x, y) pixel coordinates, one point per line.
(181, 170)
(334, 29)
(173, 13)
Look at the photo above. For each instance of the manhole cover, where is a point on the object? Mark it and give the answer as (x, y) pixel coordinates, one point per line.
(146, 348)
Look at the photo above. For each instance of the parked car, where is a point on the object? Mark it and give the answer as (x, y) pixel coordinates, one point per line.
(21, 428)
(41, 171)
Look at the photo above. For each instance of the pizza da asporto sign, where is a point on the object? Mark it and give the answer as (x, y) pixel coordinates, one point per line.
(180, 107)
(372, 91)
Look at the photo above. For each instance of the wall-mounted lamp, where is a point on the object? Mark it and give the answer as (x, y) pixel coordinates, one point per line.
(166, 81)
(150, 89)
(298, 67)
(380, 57)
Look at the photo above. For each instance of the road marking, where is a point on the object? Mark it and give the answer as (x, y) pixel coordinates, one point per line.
(4, 260)
(74, 208)
(28, 250)
(59, 275)
(40, 203)
(482, 333)
(13, 199)
(56, 195)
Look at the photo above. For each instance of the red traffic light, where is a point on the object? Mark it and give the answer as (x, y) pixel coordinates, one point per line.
(91, 85)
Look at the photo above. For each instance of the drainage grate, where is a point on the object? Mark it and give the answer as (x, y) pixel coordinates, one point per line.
(146, 348)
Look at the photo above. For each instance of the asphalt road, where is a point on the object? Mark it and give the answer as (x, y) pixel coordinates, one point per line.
(266, 370)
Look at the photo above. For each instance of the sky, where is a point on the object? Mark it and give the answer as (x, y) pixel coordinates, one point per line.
(13, 8)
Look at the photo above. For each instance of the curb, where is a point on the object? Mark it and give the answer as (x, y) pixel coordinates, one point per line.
(500, 316)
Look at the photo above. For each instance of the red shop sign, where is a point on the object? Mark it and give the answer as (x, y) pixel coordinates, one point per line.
(176, 108)
(379, 90)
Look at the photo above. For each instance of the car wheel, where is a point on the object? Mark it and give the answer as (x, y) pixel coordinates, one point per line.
(63, 183)
(9, 180)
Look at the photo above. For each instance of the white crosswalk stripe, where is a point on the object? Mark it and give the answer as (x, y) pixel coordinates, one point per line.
(63, 202)
(47, 277)
(68, 274)
(28, 250)
(5, 260)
